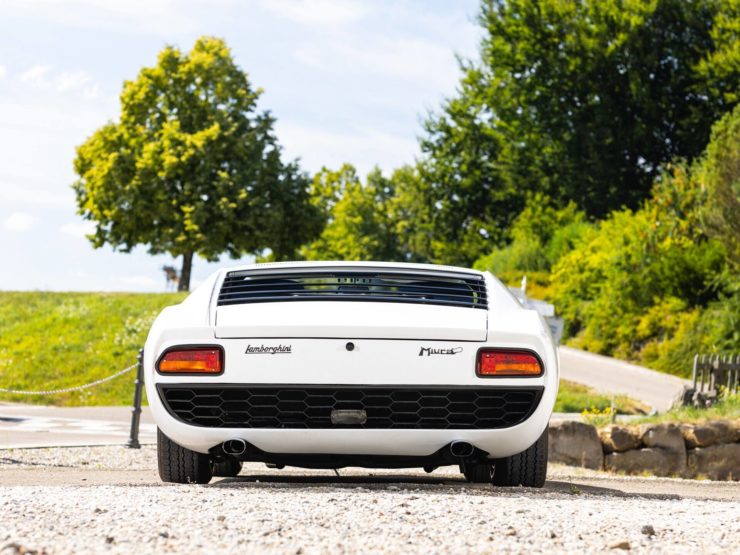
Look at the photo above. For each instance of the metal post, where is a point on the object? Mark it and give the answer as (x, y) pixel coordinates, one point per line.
(133, 440)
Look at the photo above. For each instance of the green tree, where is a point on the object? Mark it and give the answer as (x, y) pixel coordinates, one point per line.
(192, 166)
(585, 101)
(360, 224)
(540, 235)
(719, 172)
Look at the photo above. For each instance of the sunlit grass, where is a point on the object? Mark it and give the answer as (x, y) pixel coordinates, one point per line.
(726, 408)
(57, 340)
(573, 397)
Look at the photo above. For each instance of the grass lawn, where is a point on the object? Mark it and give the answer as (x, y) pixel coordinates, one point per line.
(573, 397)
(56, 340)
(727, 408)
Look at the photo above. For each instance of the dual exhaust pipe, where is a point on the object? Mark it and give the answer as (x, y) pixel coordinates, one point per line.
(458, 449)
(461, 449)
(234, 446)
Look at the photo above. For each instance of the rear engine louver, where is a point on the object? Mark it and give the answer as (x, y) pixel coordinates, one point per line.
(354, 284)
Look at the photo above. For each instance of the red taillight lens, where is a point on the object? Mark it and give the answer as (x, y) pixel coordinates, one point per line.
(508, 363)
(192, 361)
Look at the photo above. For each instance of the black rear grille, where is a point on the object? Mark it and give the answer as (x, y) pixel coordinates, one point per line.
(257, 406)
(353, 284)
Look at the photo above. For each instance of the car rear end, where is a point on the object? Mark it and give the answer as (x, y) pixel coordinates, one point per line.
(328, 365)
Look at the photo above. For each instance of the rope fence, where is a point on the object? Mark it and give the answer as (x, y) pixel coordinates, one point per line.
(70, 389)
(133, 441)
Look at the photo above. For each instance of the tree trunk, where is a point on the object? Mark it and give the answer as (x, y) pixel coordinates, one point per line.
(187, 265)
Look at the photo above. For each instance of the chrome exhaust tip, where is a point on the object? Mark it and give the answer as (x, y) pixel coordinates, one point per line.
(461, 449)
(234, 446)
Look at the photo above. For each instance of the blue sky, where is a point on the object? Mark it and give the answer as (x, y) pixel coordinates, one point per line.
(347, 80)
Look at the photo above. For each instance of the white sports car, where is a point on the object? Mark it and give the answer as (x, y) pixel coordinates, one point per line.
(333, 364)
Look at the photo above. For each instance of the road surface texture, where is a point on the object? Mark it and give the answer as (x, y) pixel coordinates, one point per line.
(609, 375)
(40, 426)
(109, 500)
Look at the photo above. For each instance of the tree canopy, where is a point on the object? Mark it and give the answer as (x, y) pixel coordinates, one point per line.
(359, 222)
(193, 166)
(584, 101)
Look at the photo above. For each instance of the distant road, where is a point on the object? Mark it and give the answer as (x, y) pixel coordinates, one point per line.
(609, 375)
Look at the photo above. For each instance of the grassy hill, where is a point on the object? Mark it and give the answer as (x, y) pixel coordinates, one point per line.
(58, 340)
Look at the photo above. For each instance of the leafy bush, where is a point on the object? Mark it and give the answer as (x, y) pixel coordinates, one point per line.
(540, 235)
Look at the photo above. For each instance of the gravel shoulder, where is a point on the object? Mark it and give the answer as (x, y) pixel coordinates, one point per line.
(110, 500)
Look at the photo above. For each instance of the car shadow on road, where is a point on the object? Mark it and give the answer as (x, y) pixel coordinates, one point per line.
(423, 484)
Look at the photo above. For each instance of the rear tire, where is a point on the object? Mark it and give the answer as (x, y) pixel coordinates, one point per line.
(528, 468)
(478, 473)
(228, 468)
(180, 465)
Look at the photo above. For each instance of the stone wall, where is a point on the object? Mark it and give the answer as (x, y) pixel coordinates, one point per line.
(708, 449)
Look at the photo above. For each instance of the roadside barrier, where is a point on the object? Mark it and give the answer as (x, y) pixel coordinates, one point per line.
(133, 441)
(713, 377)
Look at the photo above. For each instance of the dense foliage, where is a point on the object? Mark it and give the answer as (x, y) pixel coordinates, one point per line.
(584, 101)
(192, 166)
(654, 285)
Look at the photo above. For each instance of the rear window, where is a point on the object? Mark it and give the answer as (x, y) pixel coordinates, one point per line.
(348, 284)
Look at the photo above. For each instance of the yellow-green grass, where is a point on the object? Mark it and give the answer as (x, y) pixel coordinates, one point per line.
(573, 397)
(58, 340)
(727, 408)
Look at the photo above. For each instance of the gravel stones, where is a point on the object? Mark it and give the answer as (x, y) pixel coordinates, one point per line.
(309, 517)
(307, 511)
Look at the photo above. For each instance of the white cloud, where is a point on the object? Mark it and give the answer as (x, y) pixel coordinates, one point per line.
(71, 80)
(409, 59)
(36, 76)
(19, 222)
(316, 11)
(163, 17)
(3, 72)
(78, 229)
(64, 82)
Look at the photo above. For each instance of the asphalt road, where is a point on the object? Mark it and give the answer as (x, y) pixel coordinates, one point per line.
(609, 375)
(41, 426)
(110, 500)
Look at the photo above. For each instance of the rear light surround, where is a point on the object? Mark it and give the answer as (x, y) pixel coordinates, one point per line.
(191, 360)
(492, 362)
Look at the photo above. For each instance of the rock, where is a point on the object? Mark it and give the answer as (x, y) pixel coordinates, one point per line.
(620, 545)
(575, 443)
(717, 462)
(654, 460)
(619, 438)
(648, 530)
(710, 433)
(665, 436)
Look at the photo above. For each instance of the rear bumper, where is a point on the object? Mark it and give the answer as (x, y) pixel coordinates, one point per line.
(392, 442)
(322, 362)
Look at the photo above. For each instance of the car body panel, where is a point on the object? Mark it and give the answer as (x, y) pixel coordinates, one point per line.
(393, 345)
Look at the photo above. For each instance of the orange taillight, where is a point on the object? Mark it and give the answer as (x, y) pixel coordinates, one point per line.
(192, 361)
(505, 363)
